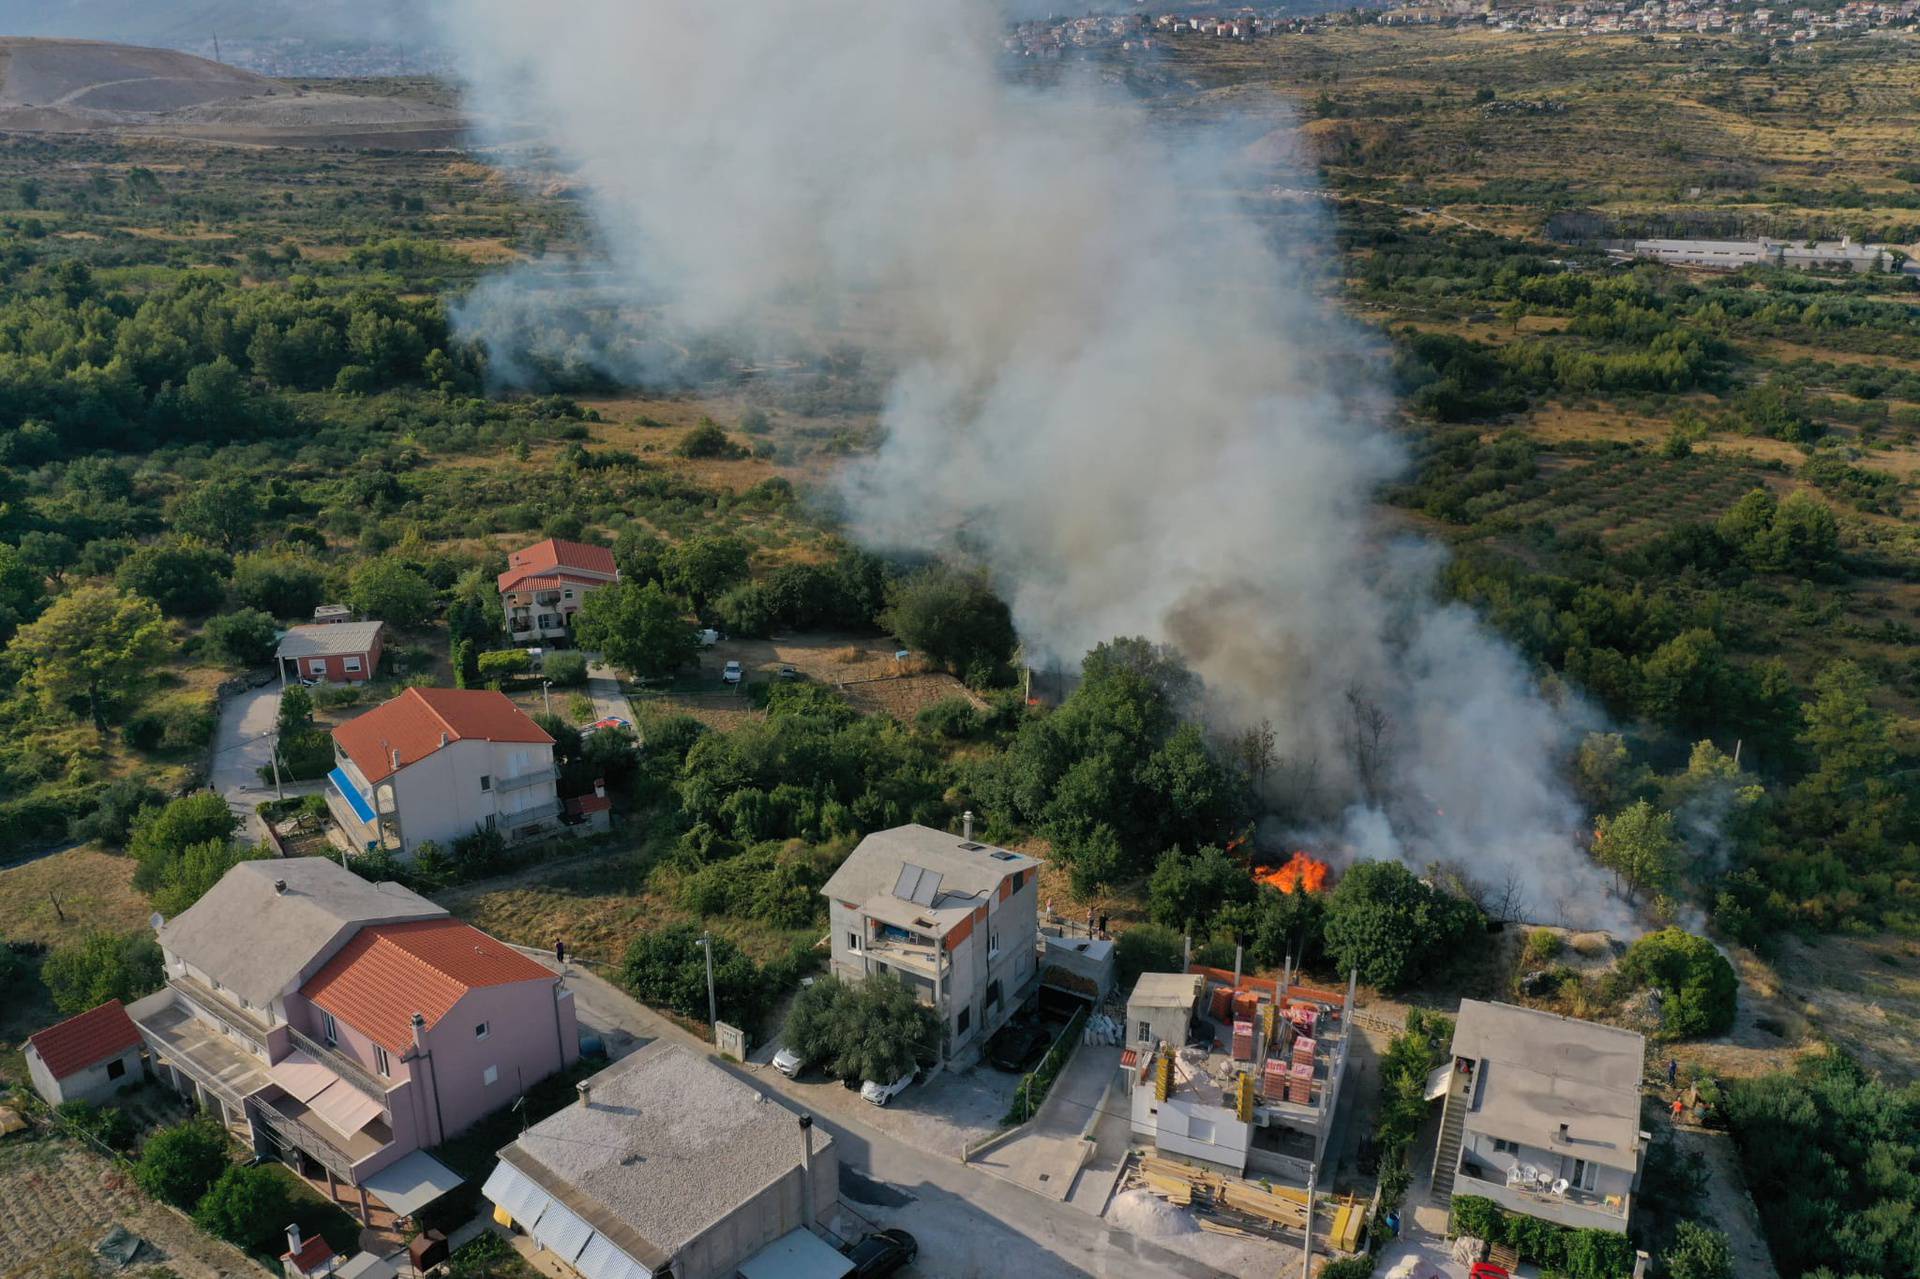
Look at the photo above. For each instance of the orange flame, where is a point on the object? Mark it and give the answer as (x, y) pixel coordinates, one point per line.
(1301, 871)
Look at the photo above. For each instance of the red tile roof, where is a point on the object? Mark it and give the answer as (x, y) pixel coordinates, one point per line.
(415, 723)
(314, 1251)
(94, 1036)
(556, 555)
(389, 972)
(584, 804)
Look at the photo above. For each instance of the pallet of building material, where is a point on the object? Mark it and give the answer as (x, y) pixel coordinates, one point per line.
(1213, 1225)
(1347, 1221)
(1261, 1203)
(1181, 1194)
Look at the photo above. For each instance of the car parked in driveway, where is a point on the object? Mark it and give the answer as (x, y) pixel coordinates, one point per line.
(881, 1094)
(881, 1253)
(789, 1063)
(1018, 1046)
(731, 674)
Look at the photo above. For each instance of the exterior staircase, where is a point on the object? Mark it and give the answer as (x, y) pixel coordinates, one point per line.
(1446, 1155)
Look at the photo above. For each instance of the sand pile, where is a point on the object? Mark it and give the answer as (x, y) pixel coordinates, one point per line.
(1146, 1214)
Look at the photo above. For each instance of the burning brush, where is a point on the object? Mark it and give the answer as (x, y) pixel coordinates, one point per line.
(1308, 874)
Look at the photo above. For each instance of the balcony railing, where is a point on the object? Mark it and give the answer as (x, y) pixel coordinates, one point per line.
(1572, 1207)
(304, 1138)
(511, 822)
(342, 1065)
(242, 1022)
(520, 781)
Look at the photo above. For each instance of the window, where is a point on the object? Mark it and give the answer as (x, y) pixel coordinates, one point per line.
(1582, 1175)
(853, 941)
(1146, 1032)
(1200, 1130)
(490, 821)
(486, 782)
(380, 1061)
(993, 941)
(993, 993)
(351, 663)
(316, 666)
(329, 1031)
(963, 1022)
(482, 1030)
(116, 1068)
(1501, 1146)
(490, 1076)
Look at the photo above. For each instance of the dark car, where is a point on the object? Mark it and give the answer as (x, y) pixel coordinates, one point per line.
(1017, 1047)
(882, 1253)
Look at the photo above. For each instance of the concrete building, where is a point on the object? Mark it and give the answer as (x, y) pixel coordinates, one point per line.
(668, 1165)
(1796, 255)
(546, 583)
(1542, 1115)
(1244, 1077)
(956, 921)
(345, 1026)
(87, 1057)
(439, 764)
(340, 652)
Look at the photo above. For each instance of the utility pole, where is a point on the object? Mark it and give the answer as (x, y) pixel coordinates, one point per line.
(713, 1008)
(273, 753)
(546, 694)
(1306, 1246)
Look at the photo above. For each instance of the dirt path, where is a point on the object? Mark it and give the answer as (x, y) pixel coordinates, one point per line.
(1725, 1201)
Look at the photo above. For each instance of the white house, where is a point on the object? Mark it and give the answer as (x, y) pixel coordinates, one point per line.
(1542, 1116)
(439, 764)
(88, 1057)
(955, 920)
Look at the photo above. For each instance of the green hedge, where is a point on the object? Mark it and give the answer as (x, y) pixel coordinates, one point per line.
(1034, 1088)
(1577, 1254)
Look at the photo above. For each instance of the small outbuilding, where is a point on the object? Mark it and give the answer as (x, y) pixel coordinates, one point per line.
(1161, 1008)
(333, 652)
(85, 1058)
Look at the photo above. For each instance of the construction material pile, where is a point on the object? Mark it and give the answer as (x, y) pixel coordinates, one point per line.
(1229, 1206)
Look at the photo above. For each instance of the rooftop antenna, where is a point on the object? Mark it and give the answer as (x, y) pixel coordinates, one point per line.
(216, 46)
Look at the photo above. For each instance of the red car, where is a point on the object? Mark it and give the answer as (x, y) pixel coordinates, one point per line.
(1487, 1270)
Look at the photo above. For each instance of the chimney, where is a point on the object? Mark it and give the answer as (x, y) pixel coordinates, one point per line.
(394, 755)
(419, 1034)
(806, 1169)
(600, 787)
(585, 1089)
(293, 1238)
(966, 826)
(443, 740)
(1565, 1139)
(279, 888)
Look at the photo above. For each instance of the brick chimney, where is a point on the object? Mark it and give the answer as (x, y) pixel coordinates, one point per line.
(806, 1169)
(419, 1034)
(585, 1089)
(293, 1238)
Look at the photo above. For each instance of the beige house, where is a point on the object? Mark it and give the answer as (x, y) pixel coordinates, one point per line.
(545, 585)
(1542, 1115)
(439, 764)
(954, 920)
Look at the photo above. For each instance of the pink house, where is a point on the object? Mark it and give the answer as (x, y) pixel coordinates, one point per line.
(346, 1026)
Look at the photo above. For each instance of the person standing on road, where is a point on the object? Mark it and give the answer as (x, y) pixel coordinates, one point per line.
(1673, 1070)
(560, 951)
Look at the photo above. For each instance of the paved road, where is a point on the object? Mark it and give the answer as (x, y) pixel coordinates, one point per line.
(603, 686)
(242, 746)
(970, 1225)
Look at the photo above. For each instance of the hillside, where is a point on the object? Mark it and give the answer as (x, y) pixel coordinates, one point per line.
(86, 86)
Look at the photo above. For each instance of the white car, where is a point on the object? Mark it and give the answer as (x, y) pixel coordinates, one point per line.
(708, 638)
(881, 1094)
(789, 1063)
(731, 675)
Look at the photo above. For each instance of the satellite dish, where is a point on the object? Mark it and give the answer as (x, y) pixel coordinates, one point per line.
(155, 920)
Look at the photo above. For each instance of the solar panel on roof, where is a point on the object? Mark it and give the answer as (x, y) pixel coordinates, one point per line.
(908, 883)
(929, 888)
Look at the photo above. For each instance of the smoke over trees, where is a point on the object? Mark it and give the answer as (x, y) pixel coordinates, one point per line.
(1132, 427)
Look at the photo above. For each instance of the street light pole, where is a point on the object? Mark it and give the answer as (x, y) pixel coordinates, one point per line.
(713, 1008)
(546, 694)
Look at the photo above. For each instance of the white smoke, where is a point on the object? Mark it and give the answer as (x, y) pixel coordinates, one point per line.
(1111, 386)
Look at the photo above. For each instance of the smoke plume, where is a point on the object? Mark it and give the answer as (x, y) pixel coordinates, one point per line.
(1110, 384)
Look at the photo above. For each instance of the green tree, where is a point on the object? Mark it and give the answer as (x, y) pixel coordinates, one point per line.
(874, 1030)
(665, 967)
(248, 1207)
(1699, 989)
(186, 878)
(223, 512)
(1188, 890)
(22, 593)
(242, 638)
(637, 628)
(102, 965)
(91, 650)
(296, 710)
(184, 577)
(640, 555)
(286, 586)
(391, 592)
(1699, 1252)
(702, 567)
(954, 618)
(1638, 845)
(1384, 922)
(179, 1164)
(1145, 948)
(1851, 741)
(161, 836)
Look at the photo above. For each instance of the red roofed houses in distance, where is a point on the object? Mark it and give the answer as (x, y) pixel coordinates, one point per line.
(545, 584)
(347, 1026)
(85, 1058)
(438, 764)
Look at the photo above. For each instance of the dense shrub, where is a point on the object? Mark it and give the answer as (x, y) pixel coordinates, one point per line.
(1392, 927)
(102, 965)
(666, 967)
(1698, 988)
(180, 1163)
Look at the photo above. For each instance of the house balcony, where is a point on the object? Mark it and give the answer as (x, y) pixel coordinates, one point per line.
(342, 1065)
(520, 781)
(293, 1126)
(197, 1052)
(241, 1023)
(921, 959)
(1579, 1209)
